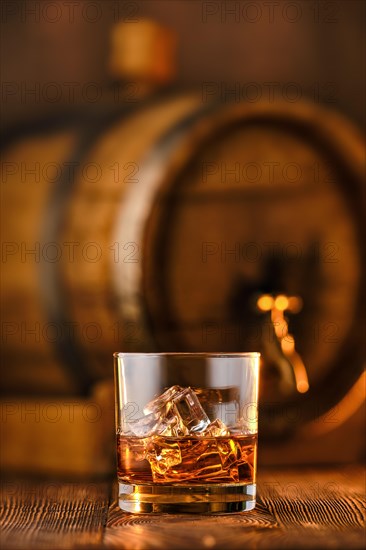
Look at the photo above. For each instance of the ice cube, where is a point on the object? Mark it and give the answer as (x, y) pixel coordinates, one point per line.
(158, 418)
(156, 404)
(179, 411)
(229, 451)
(220, 402)
(173, 426)
(194, 460)
(186, 406)
(175, 413)
(145, 426)
(162, 456)
(215, 429)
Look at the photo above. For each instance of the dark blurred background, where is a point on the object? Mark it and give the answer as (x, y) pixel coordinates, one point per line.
(318, 45)
(71, 70)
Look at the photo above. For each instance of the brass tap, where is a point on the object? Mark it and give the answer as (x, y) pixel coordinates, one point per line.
(281, 349)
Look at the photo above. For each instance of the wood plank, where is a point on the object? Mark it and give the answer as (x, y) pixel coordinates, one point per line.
(309, 508)
(126, 531)
(52, 515)
(317, 508)
(295, 509)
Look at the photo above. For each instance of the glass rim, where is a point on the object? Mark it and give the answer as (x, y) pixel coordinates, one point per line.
(252, 354)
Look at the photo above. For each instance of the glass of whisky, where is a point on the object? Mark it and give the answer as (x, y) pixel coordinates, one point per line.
(186, 427)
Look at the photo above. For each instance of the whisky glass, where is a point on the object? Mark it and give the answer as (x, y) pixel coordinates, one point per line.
(186, 428)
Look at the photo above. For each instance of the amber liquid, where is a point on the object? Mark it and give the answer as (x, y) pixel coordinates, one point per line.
(187, 460)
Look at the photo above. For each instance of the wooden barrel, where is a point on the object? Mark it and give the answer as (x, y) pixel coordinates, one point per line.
(176, 217)
(245, 200)
(63, 185)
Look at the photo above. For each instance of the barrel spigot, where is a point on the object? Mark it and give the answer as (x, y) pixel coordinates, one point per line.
(280, 346)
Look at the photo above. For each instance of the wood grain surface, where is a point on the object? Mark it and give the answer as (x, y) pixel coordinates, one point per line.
(295, 509)
(53, 515)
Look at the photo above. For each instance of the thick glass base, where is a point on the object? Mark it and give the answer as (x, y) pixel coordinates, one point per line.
(191, 499)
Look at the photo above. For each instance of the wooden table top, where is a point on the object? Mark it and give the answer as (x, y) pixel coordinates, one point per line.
(302, 508)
